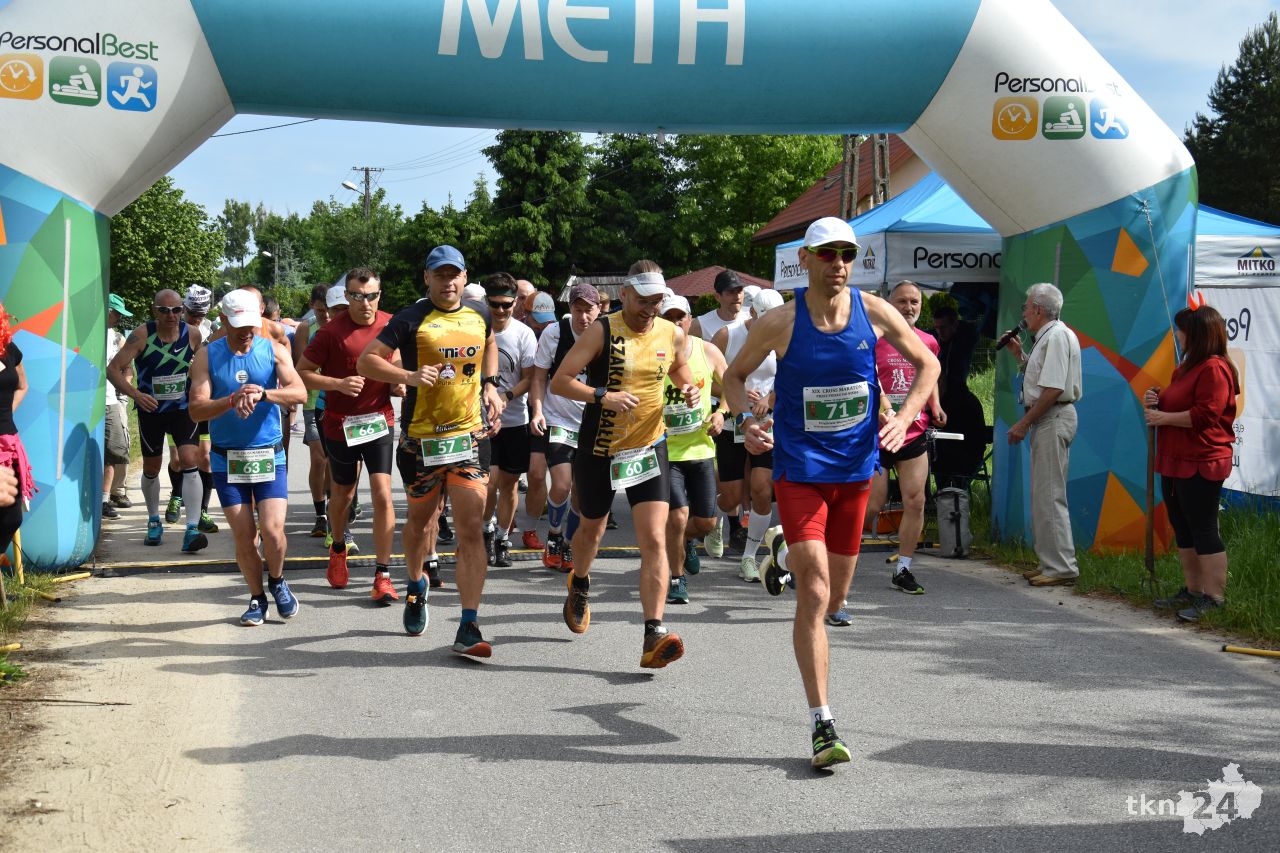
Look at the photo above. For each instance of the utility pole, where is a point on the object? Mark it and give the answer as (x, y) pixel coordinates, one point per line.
(880, 163)
(849, 169)
(368, 180)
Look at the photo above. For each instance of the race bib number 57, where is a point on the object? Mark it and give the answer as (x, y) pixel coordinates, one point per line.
(833, 408)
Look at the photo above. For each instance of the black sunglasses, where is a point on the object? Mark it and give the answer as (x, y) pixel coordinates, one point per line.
(165, 309)
(364, 297)
(501, 306)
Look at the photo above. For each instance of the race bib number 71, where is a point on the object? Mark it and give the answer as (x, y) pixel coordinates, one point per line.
(833, 408)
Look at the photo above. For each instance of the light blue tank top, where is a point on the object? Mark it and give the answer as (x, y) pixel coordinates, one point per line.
(227, 372)
(825, 424)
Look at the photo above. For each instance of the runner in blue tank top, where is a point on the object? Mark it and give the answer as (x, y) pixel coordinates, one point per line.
(238, 384)
(825, 438)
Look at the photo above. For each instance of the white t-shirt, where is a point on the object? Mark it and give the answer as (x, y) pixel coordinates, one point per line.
(115, 340)
(516, 347)
(761, 379)
(558, 410)
(711, 322)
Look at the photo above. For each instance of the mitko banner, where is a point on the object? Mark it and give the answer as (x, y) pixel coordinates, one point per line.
(1004, 99)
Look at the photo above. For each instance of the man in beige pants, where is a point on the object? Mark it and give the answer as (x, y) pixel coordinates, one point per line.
(1051, 385)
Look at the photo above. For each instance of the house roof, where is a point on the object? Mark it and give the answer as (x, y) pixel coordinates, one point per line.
(701, 282)
(823, 198)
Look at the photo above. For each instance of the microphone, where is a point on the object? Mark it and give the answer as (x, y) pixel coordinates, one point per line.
(1010, 335)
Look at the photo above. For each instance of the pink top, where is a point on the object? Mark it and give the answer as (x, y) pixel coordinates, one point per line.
(896, 375)
(13, 453)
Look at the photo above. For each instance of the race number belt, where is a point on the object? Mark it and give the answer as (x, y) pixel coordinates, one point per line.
(681, 420)
(632, 467)
(445, 451)
(169, 387)
(362, 429)
(833, 408)
(251, 465)
(560, 435)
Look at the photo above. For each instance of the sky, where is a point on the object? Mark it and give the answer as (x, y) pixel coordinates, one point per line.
(1170, 51)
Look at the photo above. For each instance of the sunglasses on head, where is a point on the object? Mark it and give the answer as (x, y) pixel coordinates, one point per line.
(827, 254)
(165, 309)
(501, 306)
(364, 297)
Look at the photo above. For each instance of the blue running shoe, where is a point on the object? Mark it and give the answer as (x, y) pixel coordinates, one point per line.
(415, 607)
(257, 612)
(155, 532)
(194, 540)
(840, 619)
(286, 602)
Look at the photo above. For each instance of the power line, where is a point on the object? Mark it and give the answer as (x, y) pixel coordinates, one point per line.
(430, 159)
(260, 129)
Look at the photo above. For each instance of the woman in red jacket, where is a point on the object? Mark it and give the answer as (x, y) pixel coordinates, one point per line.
(1193, 419)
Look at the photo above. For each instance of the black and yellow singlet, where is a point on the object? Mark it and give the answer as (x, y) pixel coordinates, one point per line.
(454, 340)
(637, 363)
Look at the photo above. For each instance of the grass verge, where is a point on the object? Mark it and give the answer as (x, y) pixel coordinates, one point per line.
(12, 618)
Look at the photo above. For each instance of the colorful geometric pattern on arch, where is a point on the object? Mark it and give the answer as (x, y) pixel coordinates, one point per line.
(60, 530)
(1120, 292)
(455, 341)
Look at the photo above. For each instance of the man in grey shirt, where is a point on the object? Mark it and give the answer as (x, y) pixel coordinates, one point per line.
(1051, 385)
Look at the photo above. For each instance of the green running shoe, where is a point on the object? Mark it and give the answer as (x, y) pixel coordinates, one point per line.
(207, 524)
(828, 749)
(692, 563)
(173, 510)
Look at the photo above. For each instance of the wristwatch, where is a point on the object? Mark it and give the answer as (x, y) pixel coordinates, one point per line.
(600, 392)
(510, 396)
(491, 380)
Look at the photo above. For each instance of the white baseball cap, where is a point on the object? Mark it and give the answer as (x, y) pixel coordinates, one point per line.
(764, 300)
(749, 293)
(544, 308)
(336, 295)
(474, 292)
(829, 229)
(673, 302)
(241, 308)
(647, 283)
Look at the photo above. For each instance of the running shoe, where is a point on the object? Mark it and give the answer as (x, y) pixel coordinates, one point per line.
(328, 539)
(415, 608)
(121, 501)
(173, 510)
(679, 591)
(489, 536)
(738, 538)
(692, 564)
(286, 603)
(1200, 606)
(523, 484)
(108, 511)
(384, 591)
(337, 574)
(207, 524)
(661, 647)
(256, 614)
(350, 541)
(577, 608)
(432, 568)
(445, 535)
(839, 619)
(1180, 599)
(469, 642)
(714, 541)
(355, 510)
(748, 570)
(610, 524)
(551, 551)
(531, 541)
(155, 532)
(906, 582)
(774, 577)
(502, 554)
(566, 557)
(193, 540)
(828, 749)
(321, 528)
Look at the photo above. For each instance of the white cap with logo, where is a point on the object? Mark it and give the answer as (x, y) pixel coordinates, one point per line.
(765, 300)
(336, 295)
(829, 229)
(241, 308)
(674, 302)
(647, 283)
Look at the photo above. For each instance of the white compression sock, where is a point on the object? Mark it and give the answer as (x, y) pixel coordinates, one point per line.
(757, 525)
(151, 494)
(192, 495)
(904, 563)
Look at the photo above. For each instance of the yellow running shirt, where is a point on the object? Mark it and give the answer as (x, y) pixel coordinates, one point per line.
(636, 363)
(455, 340)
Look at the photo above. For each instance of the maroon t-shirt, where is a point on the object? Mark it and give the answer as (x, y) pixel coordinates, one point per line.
(1208, 391)
(335, 348)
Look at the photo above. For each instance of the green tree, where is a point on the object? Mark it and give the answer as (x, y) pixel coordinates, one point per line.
(236, 226)
(1235, 148)
(342, 237)
(540, 201)
(161, 240)
(632, 201)
(467, 228)
(732, 185)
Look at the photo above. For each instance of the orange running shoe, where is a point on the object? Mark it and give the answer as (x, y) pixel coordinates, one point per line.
(551, 551)
(531, 540)
(383, 592)
(661, 648)
(577, 609)
(337, 573)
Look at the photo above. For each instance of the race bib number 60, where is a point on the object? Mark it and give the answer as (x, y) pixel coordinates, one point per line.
(833, 408)
(633, 467)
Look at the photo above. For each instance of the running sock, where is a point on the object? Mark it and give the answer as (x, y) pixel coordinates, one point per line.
(339, 546)
(571, 526)
(817, 715)
(206, 486)
(191, 489)
(274, 583)
(418, 587)
(175, 482)
(581, 584)
(468, 615)
(904, 563)
(320, 509)
(734, 522)
(384, 569)
(556, 513)
(503, 535)
(151, 494)
(652, 626)
(756, 528)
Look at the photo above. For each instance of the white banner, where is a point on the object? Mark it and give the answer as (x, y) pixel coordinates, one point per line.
(1237, 261)
(890, 257)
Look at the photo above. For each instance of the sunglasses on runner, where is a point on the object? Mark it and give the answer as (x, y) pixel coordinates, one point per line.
(827, 254)
(501, 306)
(364, 297)
(165, 309)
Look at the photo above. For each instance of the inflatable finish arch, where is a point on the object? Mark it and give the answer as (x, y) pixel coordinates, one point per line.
(1003, 98)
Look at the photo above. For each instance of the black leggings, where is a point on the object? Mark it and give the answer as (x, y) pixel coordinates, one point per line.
(10, 519)
(1192, 503)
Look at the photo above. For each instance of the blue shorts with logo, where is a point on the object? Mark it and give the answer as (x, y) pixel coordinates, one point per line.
(233, 494)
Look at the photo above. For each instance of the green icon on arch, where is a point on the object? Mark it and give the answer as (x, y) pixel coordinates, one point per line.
(75, 80)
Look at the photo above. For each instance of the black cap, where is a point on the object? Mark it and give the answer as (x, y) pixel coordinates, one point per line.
(727, 280)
